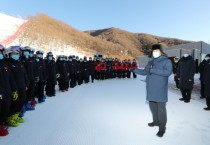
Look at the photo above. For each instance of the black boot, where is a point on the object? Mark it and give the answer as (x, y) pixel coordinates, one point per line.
(152, 124)
(207, 108)
(181, 99)
(160, 133)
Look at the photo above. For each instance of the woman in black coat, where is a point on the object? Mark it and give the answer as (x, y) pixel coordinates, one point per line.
(185, 73)
(206, 81)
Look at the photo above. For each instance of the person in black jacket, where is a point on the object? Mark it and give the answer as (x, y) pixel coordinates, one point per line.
(92, 64)
(63, 70)
(30, 68)
(201, 69)
(85, 70)
(36, 75)
(7, 86)
(175, 66)
(41, 68)
(80, 71)
(21, 80)
(72, 63)
(185, 74)
(206, 81)
(51, 75)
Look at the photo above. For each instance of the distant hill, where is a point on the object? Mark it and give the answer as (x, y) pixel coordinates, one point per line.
(133, 42)
(49, 34)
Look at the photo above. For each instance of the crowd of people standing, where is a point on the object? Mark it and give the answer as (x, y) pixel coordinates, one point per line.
(184, 70)
(26, 78)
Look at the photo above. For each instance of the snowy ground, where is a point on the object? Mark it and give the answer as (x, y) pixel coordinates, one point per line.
(110, 112)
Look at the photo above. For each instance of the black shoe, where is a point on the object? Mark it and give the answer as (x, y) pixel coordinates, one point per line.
(207, 108)
(187, 101)
(181, 99)
(160, 133)
(152, 124)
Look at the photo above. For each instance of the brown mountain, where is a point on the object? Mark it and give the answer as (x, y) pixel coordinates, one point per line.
(133, 42)
(49, 34)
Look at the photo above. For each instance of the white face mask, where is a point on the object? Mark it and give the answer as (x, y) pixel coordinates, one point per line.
(206, 58)
(186, 55)
(156, 54)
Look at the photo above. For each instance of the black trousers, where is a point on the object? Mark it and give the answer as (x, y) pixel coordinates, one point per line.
(50, 88)
(4, 108)
(114, 73)
(102, 74)
(208, 101)
(186, 94)
(124, 73)
(177, 82)
(22, 98)
(159, 114)
(128, 74)
(202, 90)
(92, 76)
(119, 73)
(73, 81)
(39, 90)
(134, 75)
(30, 91)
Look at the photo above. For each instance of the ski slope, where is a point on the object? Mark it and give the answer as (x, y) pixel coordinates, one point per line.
(9, 26)
(110, 112)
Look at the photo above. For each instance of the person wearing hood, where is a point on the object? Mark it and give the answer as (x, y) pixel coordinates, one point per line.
(157, 72)
(185, 73)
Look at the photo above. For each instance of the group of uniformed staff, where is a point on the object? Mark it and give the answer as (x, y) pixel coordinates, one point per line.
(27, 77)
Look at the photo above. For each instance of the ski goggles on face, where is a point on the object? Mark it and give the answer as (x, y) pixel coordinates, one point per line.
(15, 48)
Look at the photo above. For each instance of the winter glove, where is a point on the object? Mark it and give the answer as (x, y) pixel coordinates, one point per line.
(132, 69)
(14, 95)
(58, 75)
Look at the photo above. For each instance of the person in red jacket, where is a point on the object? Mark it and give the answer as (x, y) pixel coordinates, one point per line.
(98, 69)
(115, 68)
(103, 69)
(119, 69)
(134, 65)
(124, 67)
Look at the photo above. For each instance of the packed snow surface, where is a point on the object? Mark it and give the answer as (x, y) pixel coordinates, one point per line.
(110, 112)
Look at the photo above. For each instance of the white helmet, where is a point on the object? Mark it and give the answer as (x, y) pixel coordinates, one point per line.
(11, 49)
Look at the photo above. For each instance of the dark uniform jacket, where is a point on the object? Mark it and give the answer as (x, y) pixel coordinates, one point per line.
(185, 72)
(7, 82)
(63, 70)
(206, 78)
(19, 73)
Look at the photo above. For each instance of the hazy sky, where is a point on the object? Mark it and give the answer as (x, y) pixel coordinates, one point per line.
(184, 19)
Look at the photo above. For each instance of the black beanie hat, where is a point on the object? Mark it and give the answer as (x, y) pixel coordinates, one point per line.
(208, 55)
(157, 46)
